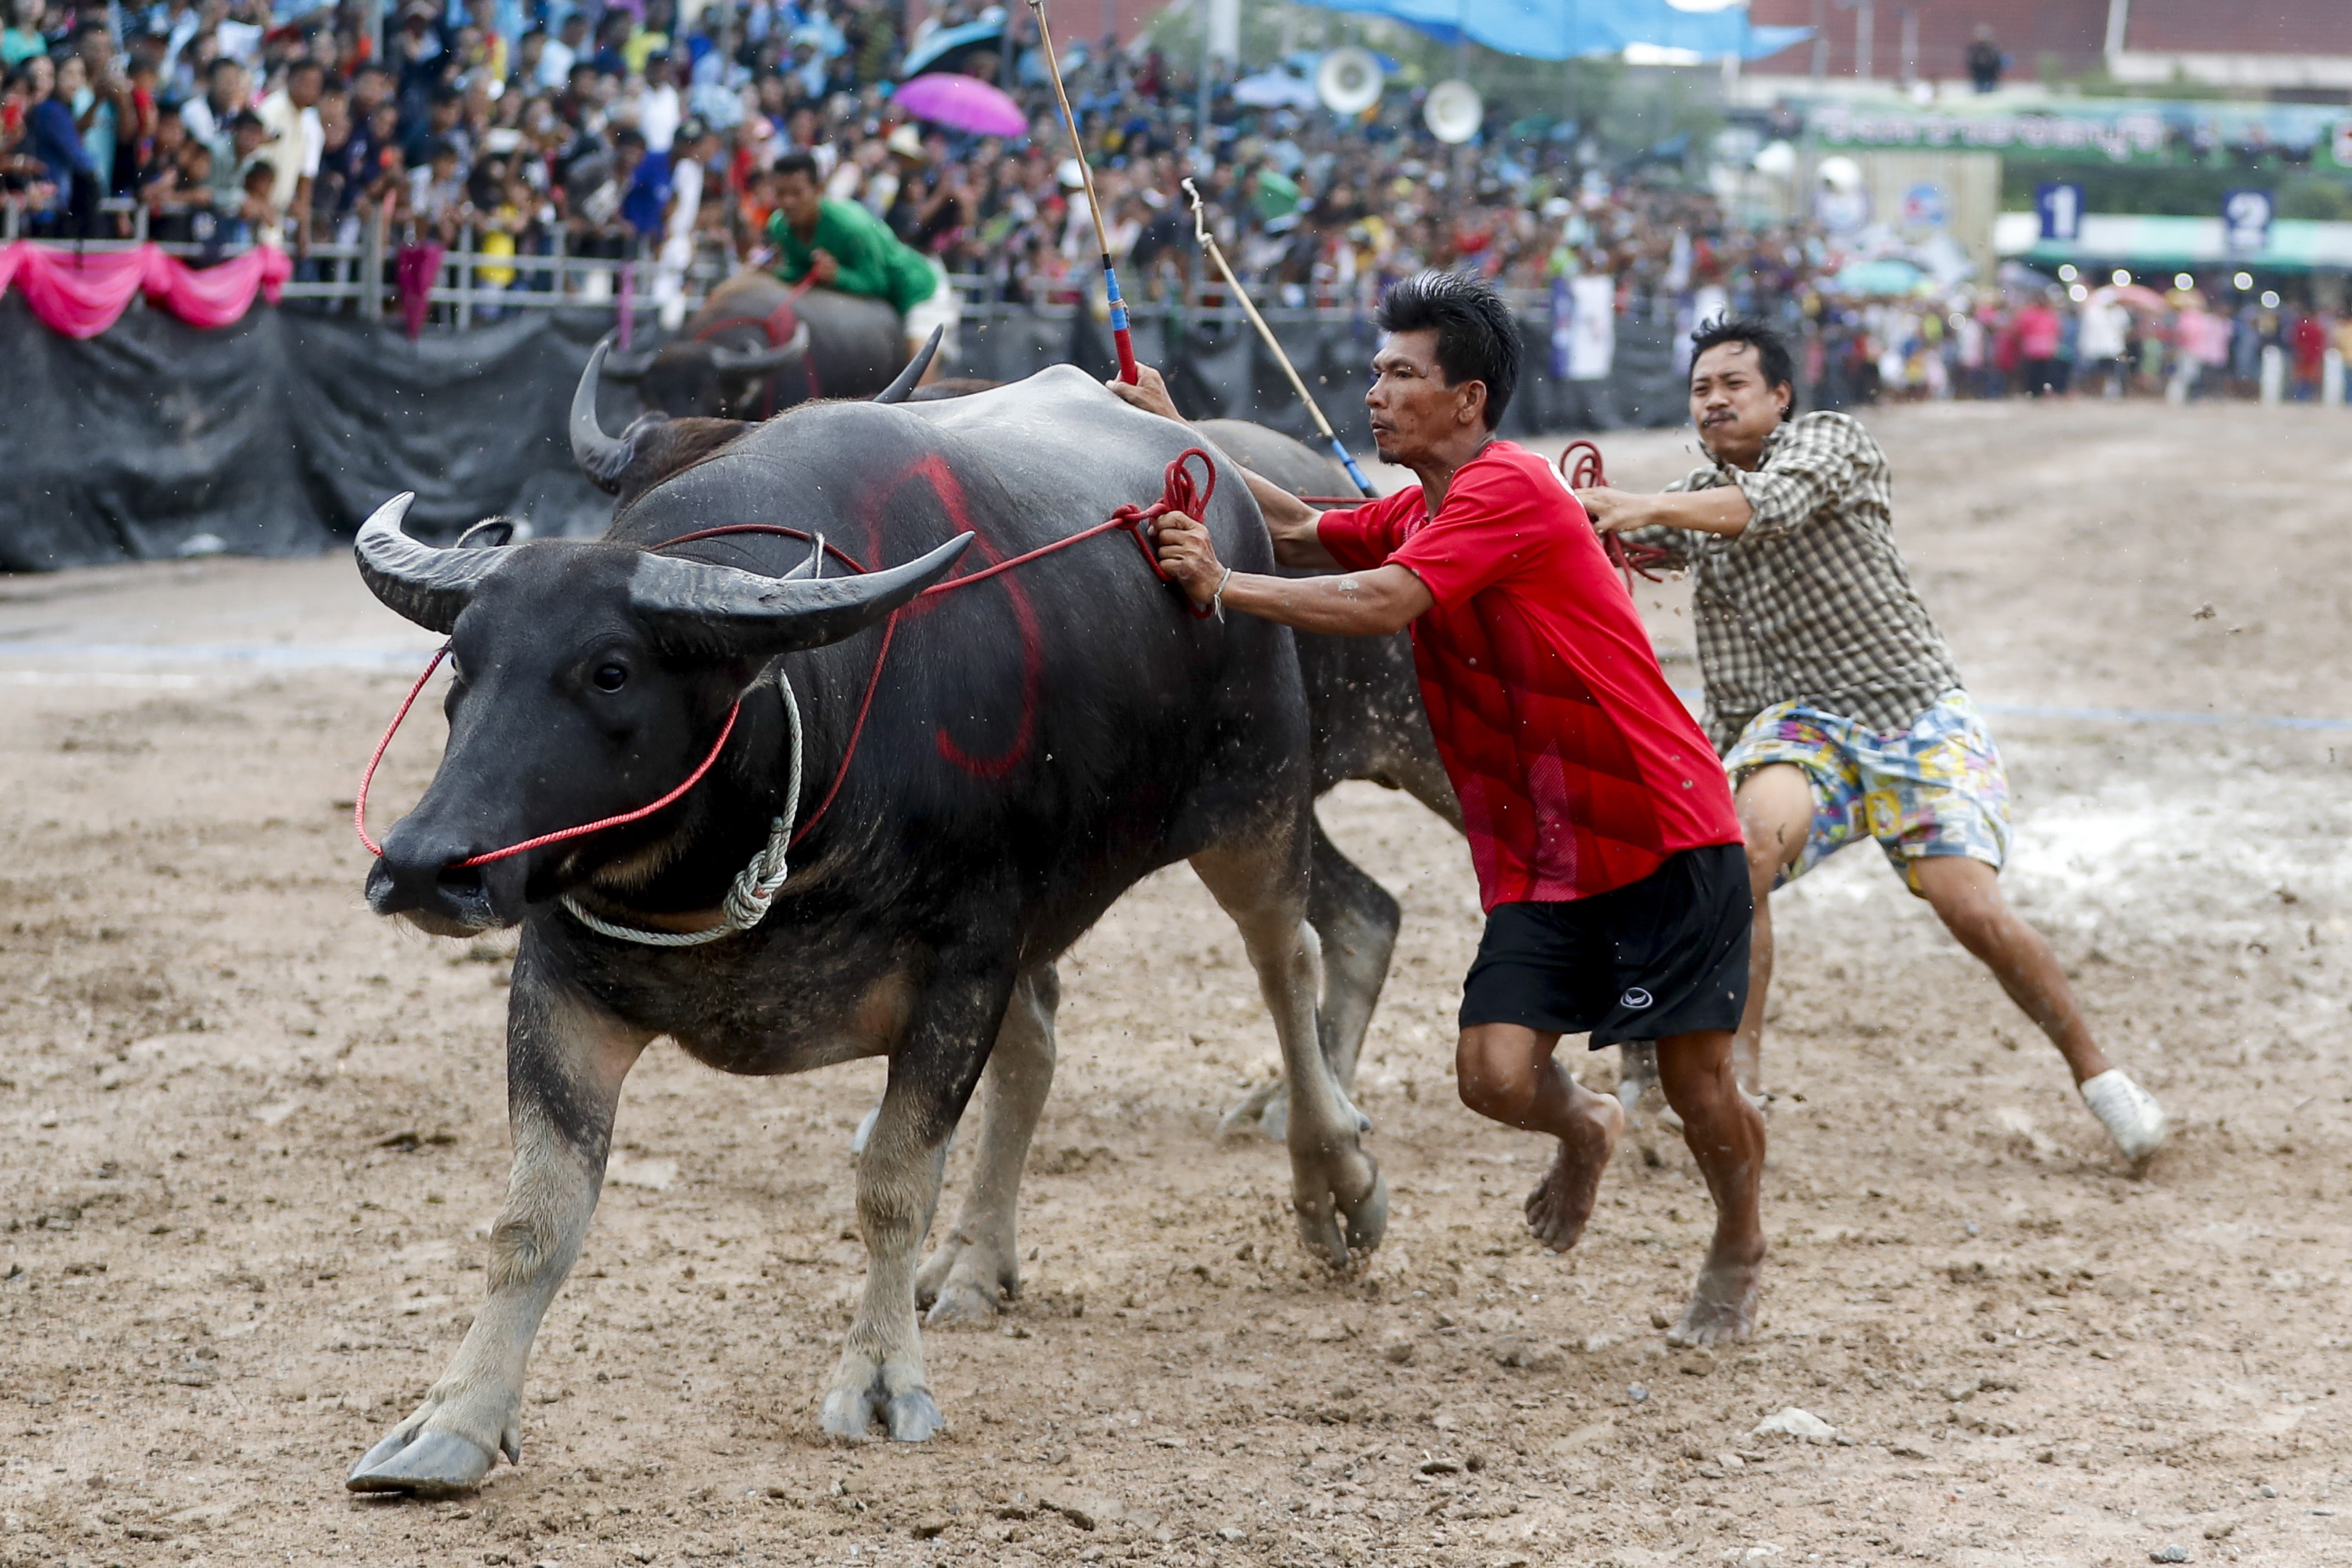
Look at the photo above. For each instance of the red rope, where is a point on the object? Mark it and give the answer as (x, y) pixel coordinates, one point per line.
(1586, 473)
(1178, 492)
(359, 808)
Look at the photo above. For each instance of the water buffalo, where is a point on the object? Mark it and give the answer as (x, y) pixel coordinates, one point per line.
(1363, 701)
(1043, 741)
(757, 346)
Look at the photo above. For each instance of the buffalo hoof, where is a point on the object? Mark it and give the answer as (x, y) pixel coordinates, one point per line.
(914, 1417)
(1341, 1202)
(1368, 1218)
(909, 1416)
(422, 1464)
(965, 1282)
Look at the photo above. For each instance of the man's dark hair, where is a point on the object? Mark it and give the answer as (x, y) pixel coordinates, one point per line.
(1477, 337)
(797, 162)
(1771, 350)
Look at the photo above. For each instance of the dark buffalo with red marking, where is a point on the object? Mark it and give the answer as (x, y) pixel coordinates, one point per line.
(756, 347)
(1365, 721)
(1035, 745)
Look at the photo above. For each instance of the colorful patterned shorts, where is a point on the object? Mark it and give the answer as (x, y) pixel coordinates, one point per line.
(1938, 790)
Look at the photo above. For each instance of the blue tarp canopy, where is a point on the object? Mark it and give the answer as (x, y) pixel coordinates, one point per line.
(1563, 29)
(945, 41)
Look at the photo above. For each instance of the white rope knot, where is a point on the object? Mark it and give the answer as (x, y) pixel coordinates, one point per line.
(754, 885)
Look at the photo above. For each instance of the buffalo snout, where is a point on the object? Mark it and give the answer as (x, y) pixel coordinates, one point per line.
(419, 878)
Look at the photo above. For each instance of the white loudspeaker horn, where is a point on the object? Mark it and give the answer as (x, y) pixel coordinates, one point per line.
(1452, 111)
(1349, 81)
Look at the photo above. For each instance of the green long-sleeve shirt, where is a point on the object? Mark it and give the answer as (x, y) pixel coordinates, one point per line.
(873, 263)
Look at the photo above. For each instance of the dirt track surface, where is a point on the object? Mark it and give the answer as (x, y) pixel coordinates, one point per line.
(255, 1138)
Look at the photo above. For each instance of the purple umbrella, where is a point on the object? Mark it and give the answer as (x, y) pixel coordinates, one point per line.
(961, 103)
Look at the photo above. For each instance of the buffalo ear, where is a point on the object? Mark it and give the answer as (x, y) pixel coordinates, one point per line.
(694, 610)
(494, 533)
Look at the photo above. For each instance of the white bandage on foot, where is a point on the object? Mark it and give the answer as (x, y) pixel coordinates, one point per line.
(2130, 1114)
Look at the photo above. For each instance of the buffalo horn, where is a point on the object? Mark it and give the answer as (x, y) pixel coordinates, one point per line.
(691, 606)
(748, 363)
(429, 586)
(899, 389)
(599, 457)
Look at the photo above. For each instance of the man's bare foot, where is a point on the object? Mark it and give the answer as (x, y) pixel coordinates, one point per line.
(1563, 1200)
(1723, 1308)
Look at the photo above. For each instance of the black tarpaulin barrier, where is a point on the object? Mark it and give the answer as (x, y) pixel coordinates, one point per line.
(276, 435)
(279, 435)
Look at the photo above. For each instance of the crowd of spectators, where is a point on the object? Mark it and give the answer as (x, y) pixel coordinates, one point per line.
(627, 131)
(2196, 339)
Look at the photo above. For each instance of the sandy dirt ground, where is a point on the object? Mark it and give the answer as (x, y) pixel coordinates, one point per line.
(254, 1138)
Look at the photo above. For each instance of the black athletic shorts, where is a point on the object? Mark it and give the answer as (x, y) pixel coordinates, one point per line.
(1665, 956)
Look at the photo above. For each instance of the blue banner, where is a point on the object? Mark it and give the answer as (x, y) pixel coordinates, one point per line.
(1564, 29)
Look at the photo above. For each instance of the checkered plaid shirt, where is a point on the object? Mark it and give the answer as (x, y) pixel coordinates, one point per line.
(1811, 601)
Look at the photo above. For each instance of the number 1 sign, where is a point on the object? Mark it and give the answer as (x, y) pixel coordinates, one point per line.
(2061, 206)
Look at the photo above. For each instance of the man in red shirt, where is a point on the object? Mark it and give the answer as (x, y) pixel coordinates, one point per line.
(1609, 857)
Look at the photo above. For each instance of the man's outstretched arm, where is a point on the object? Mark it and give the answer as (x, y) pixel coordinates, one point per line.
(1724, 509)
(1355, 603)
(1292, 523)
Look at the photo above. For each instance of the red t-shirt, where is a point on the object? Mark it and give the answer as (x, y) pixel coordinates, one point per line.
(1578, 767)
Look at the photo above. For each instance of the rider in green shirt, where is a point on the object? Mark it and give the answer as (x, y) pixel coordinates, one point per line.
(842, 244)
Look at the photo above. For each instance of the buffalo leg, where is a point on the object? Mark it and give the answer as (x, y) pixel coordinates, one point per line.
(1356, 921)
(932, 1074)
(565, 1064)
(977, 1264)
(1335, 1187)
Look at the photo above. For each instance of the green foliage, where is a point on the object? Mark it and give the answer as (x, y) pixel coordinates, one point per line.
(2327, 198)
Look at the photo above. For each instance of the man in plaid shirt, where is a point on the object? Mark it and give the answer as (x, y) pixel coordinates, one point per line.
(1831, 696)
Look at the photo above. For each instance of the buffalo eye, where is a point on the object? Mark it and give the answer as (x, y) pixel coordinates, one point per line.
(610, 676)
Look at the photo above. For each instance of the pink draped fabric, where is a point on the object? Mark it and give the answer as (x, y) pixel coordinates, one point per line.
(82, 295)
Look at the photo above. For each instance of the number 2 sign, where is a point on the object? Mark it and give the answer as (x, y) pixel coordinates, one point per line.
(2246, 219)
